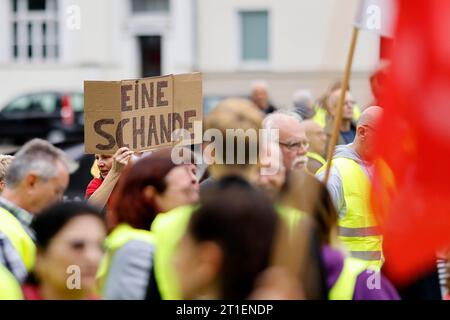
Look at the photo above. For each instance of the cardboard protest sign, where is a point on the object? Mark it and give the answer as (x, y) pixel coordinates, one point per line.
(142, 114)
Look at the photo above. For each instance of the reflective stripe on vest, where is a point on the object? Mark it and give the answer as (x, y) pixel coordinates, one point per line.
(316, 157)
(121, 234)
(359, 232)
(358, 229)
(368, 255)
(19, 238)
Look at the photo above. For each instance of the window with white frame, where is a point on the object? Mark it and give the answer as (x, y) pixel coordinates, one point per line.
(34, 30)
(254, 36)
(140, 6)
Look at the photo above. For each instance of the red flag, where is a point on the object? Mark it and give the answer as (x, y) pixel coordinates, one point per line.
(411, 189)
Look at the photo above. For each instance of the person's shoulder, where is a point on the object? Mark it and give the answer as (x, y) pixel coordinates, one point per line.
(9, 287)
(93, 185)
(10, 225)
(136, 252)
(176, 216)
(95, 182)
(334, 173)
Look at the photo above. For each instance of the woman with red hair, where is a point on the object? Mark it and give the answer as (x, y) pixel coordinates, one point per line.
(152, 185)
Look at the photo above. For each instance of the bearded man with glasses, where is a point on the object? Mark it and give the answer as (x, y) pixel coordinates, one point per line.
(292, 138)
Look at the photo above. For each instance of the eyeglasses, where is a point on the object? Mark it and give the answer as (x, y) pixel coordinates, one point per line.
(295, 146)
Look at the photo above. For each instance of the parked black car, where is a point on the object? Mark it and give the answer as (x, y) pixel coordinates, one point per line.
(54, 116)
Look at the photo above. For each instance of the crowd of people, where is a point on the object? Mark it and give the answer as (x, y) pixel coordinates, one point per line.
(151, 229)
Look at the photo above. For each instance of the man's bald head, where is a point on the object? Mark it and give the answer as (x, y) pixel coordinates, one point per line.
(366, 132)
(370, 116)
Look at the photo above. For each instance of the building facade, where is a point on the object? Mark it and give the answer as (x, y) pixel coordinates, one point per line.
(292, 44)
(57, 44)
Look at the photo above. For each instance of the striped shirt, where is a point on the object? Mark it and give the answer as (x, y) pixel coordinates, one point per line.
(443, 266)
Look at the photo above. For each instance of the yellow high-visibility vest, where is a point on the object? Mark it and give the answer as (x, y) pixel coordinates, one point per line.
(168, 229)
(9, 287)
(344, 287)
(114, 241)
(21, 241)
(358, 230)
(320, 116)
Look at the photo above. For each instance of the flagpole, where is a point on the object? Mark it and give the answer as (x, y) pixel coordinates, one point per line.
(340, 112)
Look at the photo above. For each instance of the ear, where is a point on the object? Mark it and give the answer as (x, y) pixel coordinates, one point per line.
(149, 193)
(361, 131)
(31, 180)
(2, 186)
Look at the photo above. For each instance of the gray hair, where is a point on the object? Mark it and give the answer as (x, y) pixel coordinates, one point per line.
(302, 97)
(40, 157)
(271, 118)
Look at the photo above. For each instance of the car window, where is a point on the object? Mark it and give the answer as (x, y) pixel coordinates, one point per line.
(44, 102)
(77, 100)
(20, 104)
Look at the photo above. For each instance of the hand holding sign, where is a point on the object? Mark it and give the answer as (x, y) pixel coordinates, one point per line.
(120, 159)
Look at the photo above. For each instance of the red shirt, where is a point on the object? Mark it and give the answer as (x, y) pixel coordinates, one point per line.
(92, 186)
(31, 292)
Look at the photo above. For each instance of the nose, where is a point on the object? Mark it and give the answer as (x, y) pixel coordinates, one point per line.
(93, 254)
(302, 150)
